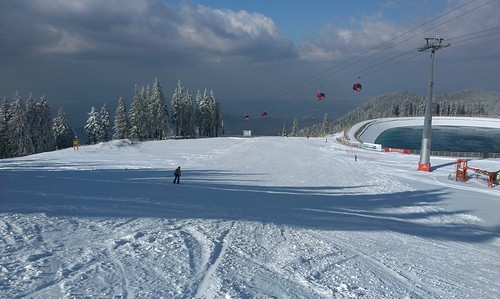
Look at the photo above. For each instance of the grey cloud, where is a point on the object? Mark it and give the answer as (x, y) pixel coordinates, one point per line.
(367, 33)
(141, 30)
(238, 34)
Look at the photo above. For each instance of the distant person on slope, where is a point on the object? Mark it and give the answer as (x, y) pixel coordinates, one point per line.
(177, 175)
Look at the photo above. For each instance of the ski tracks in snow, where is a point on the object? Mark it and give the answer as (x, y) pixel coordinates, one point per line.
(212, 254)
(364, 249)
(378, 274)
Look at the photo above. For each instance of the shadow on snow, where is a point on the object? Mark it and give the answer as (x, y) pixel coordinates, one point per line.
(208, 194)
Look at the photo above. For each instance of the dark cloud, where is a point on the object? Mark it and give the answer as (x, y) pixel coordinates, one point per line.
(84, 53)
(138, 30)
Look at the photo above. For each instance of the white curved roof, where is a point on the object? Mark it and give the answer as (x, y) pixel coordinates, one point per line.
(371, 129)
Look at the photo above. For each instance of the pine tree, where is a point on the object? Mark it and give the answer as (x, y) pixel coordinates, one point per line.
(295, 127)
(325, 126)
(183, 111)
(216, 113)
(137, 116)
(395, 110)
(105, 123)
(198, 117)
(421, 107)
(187, 112)
(436, 108)
(406, 108)
(93, 127)
(39, 120)
(5, 151)
(46, 141)
(19, 131)
(31, 121)
(121, 124)
(203, 116)
(149, 124)
(177, 106)
(63, 134)
(159, 112)
(453, 108)
(208, 116)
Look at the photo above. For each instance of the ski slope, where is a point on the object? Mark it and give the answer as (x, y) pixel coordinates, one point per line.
(264, 217)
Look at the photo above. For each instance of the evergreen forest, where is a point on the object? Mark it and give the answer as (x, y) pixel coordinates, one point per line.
(28, 127)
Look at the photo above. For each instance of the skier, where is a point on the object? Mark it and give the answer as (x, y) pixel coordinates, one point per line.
(355, 158)
(177, 175)
(75, 144)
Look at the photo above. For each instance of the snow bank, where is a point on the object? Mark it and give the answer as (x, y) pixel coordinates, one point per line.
(371, 129)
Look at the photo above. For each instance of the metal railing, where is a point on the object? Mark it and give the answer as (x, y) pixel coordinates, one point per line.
(345, 140)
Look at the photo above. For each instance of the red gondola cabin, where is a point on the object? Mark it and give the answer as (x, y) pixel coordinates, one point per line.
(357, 86)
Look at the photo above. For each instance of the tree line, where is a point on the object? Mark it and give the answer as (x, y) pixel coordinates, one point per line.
(472, 102)
(27, 127)
(315, 130)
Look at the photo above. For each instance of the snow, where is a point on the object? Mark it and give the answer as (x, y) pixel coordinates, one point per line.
(371, 129)
(265, 217)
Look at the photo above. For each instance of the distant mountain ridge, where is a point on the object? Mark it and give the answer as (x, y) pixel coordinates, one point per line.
(473, 102)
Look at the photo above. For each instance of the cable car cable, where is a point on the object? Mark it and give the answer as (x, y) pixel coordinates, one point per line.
(327, 70)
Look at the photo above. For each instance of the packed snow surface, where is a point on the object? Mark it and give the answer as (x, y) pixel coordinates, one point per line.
(266, 217)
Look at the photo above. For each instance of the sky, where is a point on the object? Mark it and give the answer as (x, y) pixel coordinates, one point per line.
(105, 221)
(255, 55)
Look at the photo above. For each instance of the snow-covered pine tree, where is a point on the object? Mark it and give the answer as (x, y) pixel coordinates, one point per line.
(395, 110)
(295, 127)
(453, 108)
(148, 127)
(5, 151)
(198, 112)
(186, 115)
(209, 113)
(63, 134)
(137, 116)
(19, 131)
(105, 122)
(93, 127)
(283, 131)
(208, 117)
(46, 141)
(203, 113)
(39, 118)
(216, 114)
(325, 125)
(31, 121)
(444, 108)
(421, 107)
(477, 109)
(121, 124)
(406, 108)
(435, 108)
(158, 112)
(176, 106)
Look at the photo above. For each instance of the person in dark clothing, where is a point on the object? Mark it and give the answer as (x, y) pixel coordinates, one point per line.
(177, 175)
